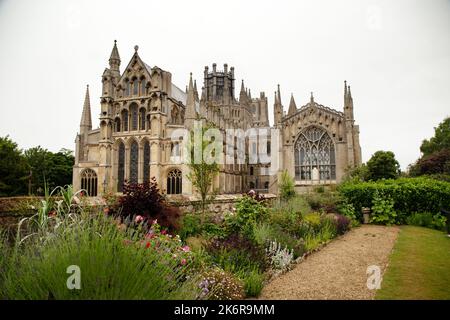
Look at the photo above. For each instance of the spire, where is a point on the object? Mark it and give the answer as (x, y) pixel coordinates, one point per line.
(114, 59)
(279, 95)
(292, 106)
(249, 94)
(86, 120)
(312, 98)
(243, 93)
(349, 92)
(195, 90)
(190, 103)
(345, 88)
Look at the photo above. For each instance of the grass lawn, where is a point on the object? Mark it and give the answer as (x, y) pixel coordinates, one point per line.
(419, 266)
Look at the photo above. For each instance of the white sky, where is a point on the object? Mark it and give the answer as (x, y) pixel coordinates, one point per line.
(394, 54)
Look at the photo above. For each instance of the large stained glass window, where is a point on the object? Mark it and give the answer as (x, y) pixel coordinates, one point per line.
(142, 119)
(146, 162)
(314, 155)
(121, 167)
(134, 159)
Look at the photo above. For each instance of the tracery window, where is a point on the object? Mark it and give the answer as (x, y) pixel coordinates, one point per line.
(134, 117)
(142, 119)
(89, 182)
(125, 120)
(134, 159)
(174, 182)
(143, 87)
(121, 167)
(314, 155)
(146, 162)
(135, 87)
(127, 90)
(117, 125)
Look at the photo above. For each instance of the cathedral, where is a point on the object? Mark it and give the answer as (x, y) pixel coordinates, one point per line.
(142, 110)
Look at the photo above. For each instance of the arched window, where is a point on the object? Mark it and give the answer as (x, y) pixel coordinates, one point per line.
(142, 119)
(134, 117)
(314, 155)
(127, 88)
(266, 185)
(121, 167)
(251, 171)
(125, 120)
(146, 162)
(134, 159)
(89, 182)
(174, 181)
(143, 87)
(135, 87)
(117, 125)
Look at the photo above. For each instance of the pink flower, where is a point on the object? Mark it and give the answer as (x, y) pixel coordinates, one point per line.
(164, 232)
(183, 262)
(138, 219)
(186, 249)
(155, 221)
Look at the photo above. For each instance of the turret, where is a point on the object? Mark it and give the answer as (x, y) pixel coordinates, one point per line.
(277, 107)
(190, 114)
(348, 102)
(114, 59)
(292, 106)
(86, 119)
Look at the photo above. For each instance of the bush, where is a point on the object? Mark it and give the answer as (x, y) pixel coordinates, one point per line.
(237, 254)
(218, 284)
(144, 199)
(427, 219)
(325, 201)
(287, 186)
(343, 223)
(248, 212)
(383, 210)
(410, 195)
(190, 225)
(266, 233)
(115, 263)
(253, 283)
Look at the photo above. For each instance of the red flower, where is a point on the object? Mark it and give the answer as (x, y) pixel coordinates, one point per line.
(148, 245)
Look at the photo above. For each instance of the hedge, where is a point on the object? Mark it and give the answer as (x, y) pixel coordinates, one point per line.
(410, 195)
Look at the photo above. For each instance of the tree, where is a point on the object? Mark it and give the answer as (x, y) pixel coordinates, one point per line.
(13, 171)
(54, 169)
(202, 172)
(441, 139)
(383, 165)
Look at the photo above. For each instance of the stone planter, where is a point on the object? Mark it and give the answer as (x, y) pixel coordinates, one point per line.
(366, 215)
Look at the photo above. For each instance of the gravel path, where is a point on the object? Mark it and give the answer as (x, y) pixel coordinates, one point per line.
(337, 271)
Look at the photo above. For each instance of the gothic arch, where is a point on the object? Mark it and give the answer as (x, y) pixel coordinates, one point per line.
(134, 160)
(174, 181)
(89, 182)
(315, 155)
(120, 165)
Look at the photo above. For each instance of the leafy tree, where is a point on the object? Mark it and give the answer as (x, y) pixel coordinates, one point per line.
(55, 169)
(437, 162)
(202, 172)
(441, 139)
(13, 171)
(359, 173)
(383, 165)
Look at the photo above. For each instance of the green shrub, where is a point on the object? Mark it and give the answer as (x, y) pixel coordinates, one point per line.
(326, 201)
(347, 209)
(248, 212)
(286, 186)
(115, 263)
(314, 220)
(265, 233)
(427, 219)
(410, 195)
(253, 283)
(383, 210)
(190, 225)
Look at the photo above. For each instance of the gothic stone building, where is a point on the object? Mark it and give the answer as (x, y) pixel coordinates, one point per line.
(141, 108)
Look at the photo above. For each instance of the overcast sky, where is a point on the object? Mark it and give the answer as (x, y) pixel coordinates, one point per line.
(394, 54)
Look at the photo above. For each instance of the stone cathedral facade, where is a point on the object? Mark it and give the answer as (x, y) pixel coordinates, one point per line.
(141, 108)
